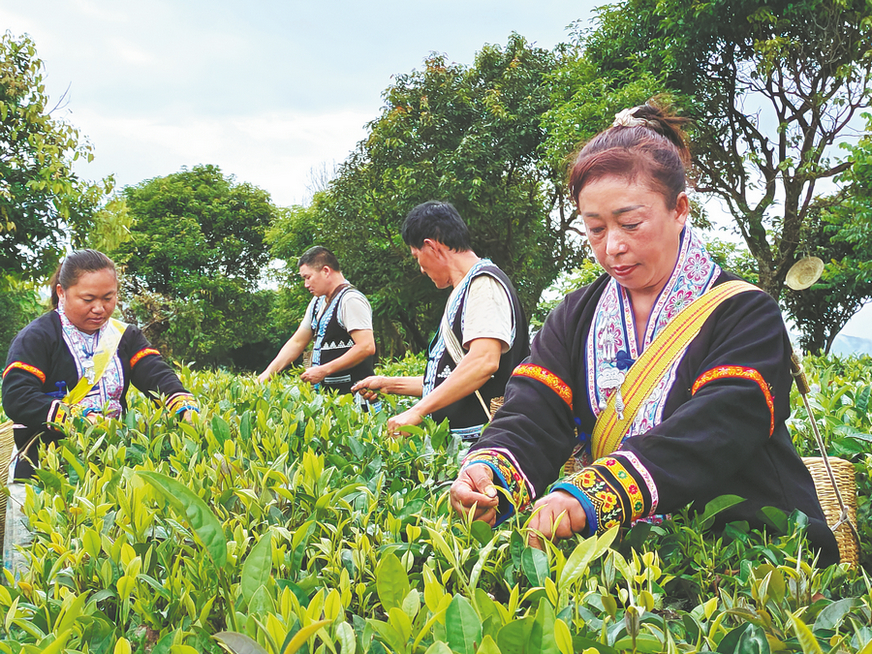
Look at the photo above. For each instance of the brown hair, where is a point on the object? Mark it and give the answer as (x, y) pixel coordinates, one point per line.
(644, 142)
(74, 266)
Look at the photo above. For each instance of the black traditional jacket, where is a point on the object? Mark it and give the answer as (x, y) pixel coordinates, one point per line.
(723, 428)
(39, 359)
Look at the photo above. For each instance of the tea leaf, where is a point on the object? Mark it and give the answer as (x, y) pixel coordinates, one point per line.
(512, 638)
(438, 648)
(462, 625)
(261, 602)
(488, 646)
(199, 517)
(57, 646)
(542, 631)
(345, 636)
(577, 563)
(720, 503)
(392, 582)
(221, 429)
(71, 612)
(534, 564)
(806, 638)
(257, 567)
(833, 614)
(303, 635)
(776, 518)
(563, 637)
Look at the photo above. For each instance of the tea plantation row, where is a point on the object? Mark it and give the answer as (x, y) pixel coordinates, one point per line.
(285, 521)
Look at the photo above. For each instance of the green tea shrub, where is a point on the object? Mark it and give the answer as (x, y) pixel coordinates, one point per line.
(284, 520)
(841, 408)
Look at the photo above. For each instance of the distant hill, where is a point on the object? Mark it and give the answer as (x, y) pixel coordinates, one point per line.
(847, 345)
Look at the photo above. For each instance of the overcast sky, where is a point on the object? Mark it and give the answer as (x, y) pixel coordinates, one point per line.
(268, 90)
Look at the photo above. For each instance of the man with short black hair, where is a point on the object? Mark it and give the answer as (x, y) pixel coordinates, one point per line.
(482, 337)
(338, 319)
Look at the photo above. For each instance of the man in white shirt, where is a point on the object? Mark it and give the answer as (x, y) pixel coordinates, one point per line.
(482, 337)
(338, 319)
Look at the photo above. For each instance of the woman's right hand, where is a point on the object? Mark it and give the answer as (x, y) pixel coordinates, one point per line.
(474, 486)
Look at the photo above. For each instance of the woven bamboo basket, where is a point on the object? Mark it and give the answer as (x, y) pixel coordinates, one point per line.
(849, 548)
(6, 445)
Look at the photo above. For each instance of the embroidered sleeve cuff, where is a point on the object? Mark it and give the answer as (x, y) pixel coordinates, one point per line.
(181, 402)
(586, 504)
(507, 476)
(58, 413)
(612, 488)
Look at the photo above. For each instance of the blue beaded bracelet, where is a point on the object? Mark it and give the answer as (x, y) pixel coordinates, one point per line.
(187, 408)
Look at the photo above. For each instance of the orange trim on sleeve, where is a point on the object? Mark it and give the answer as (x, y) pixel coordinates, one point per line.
(739, 372)
(142, 353)
(548, 378)
(33, 370)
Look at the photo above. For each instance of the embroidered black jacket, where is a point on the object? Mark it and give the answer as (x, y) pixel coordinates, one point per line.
(39, 358)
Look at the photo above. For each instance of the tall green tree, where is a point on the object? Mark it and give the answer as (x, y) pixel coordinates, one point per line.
(470, 135)
(821, 311)
(293, 231)
(770, 86)
(194, 261)
(42, 201)
(840, 233)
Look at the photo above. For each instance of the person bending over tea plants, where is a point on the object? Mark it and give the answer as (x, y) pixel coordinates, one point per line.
(78, 360)
(338, 319)
(482, 337)
(668, 377)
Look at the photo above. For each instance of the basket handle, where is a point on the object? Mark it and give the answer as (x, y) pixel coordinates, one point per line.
(804, 389)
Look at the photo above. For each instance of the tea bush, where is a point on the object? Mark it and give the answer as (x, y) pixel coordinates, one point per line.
(285, 521)
(840, 402)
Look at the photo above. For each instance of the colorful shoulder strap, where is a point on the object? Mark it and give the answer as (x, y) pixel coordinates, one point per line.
(106, 349)
(644, 375)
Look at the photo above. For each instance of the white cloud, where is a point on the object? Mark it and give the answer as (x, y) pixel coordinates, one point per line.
(130, 53)
(274, 151)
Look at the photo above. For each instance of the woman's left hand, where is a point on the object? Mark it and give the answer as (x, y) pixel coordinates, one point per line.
(188, 415)
(557, 515)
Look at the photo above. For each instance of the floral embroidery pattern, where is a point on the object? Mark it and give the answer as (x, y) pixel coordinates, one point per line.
(548, 378)
(739, 372)
(33, 370)
(142, 353)
(677, 302)
(612, 489)
(642, 472)
(104, 396)
(693, 275)
(58, 413)
(698, 267)
(506, 475)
